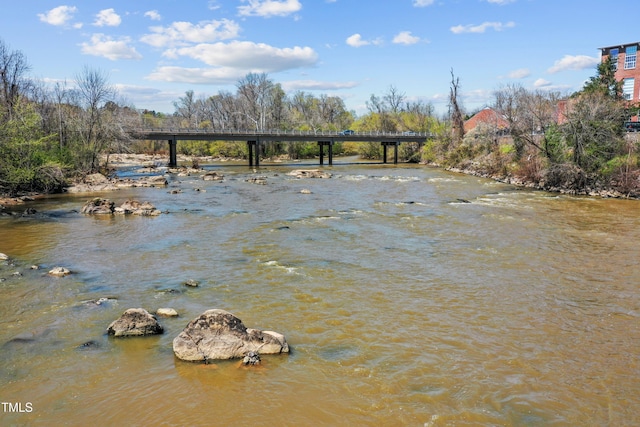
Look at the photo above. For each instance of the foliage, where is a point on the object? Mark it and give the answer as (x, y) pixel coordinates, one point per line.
(594, 130)
(604, 83)
(27, 161)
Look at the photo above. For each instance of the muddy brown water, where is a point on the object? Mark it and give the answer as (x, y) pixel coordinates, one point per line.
(409, 296)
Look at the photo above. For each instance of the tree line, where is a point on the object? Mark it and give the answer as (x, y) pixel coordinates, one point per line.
(52, 133)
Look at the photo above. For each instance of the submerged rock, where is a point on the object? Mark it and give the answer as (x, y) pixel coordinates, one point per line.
(252, 358)
(309, 173)
(59, 272)
(217, 334)
(136, 208)
(166, 312)
(260, 180)
(135, 322)
(213, 176)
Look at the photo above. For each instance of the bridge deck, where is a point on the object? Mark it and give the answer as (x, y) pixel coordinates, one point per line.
(254, 139)
(275, 135)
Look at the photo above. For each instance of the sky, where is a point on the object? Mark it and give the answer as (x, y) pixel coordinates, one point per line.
(155, 51)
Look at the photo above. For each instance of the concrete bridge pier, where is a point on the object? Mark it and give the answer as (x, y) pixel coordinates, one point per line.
(386, 144)
(173, 152)
(321, 145)
(255, 144)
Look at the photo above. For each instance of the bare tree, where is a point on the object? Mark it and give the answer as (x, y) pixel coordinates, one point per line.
(255, 90)
(455, 110)
(186, 109)
(529, 115)
(13, 78)
(94, 91)
(394, 99)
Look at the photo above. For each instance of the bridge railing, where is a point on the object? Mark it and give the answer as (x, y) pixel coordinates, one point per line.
(178, 131)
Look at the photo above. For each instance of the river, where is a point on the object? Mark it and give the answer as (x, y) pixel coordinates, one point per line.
(410, 296)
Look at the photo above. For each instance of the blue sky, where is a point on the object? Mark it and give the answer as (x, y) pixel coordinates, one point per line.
(154, 51)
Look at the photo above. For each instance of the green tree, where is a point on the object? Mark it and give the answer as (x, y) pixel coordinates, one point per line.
(594, 130)
(604, 82)
(28, 161)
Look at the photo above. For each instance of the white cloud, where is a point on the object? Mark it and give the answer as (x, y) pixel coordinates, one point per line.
(520, 73)
(573, 62)
(105, 46)
(501, 2)
(541, 83)
(497, 26)
(108, 18)
(153, 15)
(267, 8)
(423, 3)
(58, 16)
(405, 37)
(185, 32)
(248, 56)
(356, 40)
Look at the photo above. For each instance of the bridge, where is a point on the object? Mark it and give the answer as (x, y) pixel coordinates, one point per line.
(255, 138)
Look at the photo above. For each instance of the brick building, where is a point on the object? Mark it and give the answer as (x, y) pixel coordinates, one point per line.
(627, 69)
(487, 117)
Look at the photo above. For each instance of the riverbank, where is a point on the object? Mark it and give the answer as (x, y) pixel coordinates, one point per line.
(596, 191)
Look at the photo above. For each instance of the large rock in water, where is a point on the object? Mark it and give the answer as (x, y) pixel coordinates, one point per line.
(135, 322)
(98, 206)
(218, 334)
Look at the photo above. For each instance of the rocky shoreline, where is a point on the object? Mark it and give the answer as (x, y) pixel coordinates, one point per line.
(605, 193)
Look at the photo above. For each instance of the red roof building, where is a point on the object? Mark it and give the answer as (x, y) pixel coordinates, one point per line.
(487, 117)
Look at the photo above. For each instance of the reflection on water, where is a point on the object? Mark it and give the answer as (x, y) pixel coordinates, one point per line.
(408, 295)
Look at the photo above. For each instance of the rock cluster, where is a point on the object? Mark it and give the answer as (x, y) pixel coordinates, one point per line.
(99, 182)
(214, 335)
(309, 173)
(99, 206)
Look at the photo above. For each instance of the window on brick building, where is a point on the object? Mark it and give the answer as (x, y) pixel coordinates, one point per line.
(627, 89)
(613, 53)
(630, 57)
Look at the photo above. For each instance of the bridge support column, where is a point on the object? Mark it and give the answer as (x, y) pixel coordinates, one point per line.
(254, 145)
(395, 152)
(173, 152)
(321, 145)
(386, 144)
